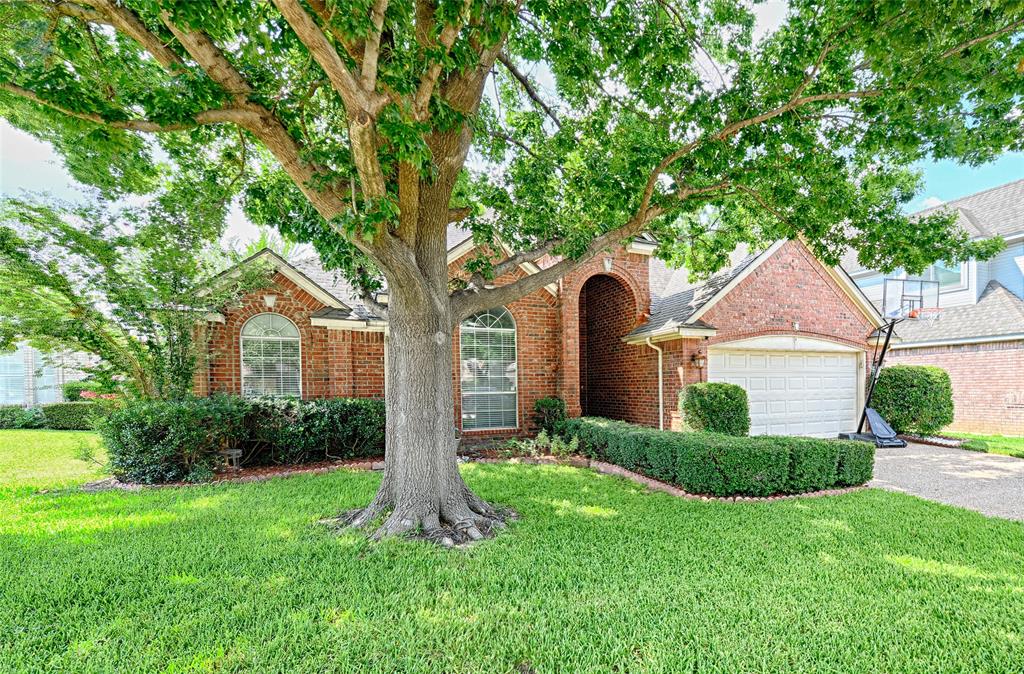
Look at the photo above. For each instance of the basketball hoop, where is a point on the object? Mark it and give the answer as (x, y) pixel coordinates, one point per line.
(927, 314)
(910, 299)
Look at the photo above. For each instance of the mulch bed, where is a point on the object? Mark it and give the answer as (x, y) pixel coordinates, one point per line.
(259, 473)
(936, 440)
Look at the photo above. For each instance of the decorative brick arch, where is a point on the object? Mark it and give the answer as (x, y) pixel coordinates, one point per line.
(630, 272)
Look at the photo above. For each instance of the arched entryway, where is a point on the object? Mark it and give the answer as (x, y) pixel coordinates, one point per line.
(609, 368)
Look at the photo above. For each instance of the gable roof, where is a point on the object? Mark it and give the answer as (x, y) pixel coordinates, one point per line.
(998, 314)
(998, 211)
(676, 309)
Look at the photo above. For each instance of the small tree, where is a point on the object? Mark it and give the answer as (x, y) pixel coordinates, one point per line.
(123, 285)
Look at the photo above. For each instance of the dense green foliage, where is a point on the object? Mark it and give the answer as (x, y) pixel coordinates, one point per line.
(914, 398)
(70, 416)
(725, 465)
(16, 416)
(715, 407)
(597, 119)
(596, 576)
(124, 284)
(74, 416)
(153, 441)
(74, 388)
(549, 413)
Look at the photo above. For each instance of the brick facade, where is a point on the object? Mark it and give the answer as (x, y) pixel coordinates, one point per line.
(569, 345)
(988, 383)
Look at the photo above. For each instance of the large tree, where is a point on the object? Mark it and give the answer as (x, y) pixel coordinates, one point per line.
(587, 123)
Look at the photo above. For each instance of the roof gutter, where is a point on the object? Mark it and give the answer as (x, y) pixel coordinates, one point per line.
(670, 334)
(964, 340)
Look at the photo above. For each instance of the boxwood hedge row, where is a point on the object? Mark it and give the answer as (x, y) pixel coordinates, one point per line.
(726, 465)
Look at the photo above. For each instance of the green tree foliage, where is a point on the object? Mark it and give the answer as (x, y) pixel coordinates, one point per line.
(665, 116)
(123, 284)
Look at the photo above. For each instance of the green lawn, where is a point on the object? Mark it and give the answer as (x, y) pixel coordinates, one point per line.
(598, 576)
(37, 459)
(994, 444)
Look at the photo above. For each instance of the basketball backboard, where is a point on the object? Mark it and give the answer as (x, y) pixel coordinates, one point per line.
(909, 298)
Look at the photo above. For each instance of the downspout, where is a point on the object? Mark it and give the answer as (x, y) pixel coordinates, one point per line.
(661, 383)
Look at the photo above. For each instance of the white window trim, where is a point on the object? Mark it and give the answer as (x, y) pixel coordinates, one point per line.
(515, 333)
(241, 350)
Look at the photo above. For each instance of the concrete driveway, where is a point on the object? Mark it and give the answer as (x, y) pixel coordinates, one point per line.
(992, 484)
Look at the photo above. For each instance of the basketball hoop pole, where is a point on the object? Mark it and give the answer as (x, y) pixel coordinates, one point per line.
(877, 367)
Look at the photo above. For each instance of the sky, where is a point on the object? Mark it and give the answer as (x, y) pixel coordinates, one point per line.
(27, 164)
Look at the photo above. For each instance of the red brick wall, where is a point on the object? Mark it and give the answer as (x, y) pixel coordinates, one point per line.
(988, 383)
(632, 271)
(334, 362)
(617, 380)
(537, 350)
(789, 293)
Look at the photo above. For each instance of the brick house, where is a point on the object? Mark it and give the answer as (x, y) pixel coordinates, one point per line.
(977, 335)
(618, 337)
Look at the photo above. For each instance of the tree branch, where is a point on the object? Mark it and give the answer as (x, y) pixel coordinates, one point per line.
(984, 38)
(218, 116)
(459, 214)
(421, 101)
(127, 22)
(473, 299)
(372, 49)
(530, 91)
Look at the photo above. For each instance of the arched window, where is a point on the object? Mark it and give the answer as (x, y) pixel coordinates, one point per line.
(271, 357)
(489, 370)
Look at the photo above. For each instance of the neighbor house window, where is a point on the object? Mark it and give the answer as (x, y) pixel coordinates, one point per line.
(488, 370)
(12, 378)
(950, 275)
(271, 357)
(869, 281)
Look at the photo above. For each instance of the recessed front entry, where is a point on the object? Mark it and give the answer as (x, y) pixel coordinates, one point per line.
(793, 392)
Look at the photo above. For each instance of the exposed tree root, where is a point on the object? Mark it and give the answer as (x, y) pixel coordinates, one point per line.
(431, 527)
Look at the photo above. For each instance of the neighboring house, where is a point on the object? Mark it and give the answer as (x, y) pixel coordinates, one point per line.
(29, 377)
(612, 338)
(978, 335)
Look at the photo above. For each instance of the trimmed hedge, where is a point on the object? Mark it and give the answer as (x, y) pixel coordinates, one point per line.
(715, 407)
(726, 465)
(157, 441)
(75, 416)
(914, 398)
(15, 416)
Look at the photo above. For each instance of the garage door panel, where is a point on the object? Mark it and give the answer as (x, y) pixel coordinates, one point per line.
(792, 393)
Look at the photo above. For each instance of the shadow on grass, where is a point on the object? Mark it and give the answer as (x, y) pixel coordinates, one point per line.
(597, 575)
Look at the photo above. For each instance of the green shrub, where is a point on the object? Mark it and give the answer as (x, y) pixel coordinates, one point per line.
(153, 441)
(549, 413)
(914, 398)
(725, 465)
(814, 464)
(14, 417)
(73, 389)
(856, 463)
(716, 408)
(290, 431)
(167, 441)
(76, 416)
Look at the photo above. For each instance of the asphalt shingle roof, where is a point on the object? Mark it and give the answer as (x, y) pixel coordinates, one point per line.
(998, 312)
(672, 305)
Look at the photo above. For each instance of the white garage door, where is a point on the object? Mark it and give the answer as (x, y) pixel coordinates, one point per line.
(792, 393)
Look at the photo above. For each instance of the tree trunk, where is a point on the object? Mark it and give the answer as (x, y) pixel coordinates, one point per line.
(422, 490)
